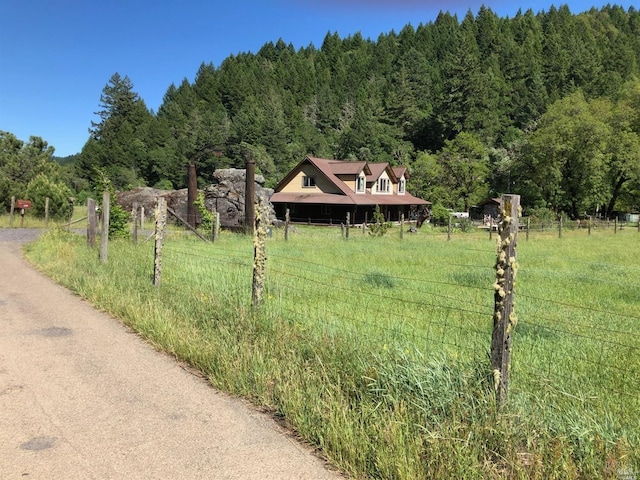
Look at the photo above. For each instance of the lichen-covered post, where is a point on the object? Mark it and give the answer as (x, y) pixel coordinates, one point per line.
(216, 224)
(560, 227)
(134, 233)
(92, 222)
(46, 212)
(287, 221)
(13, 207)
(347, 226)
(161, 226)
(259, 254)
(504, 317)
(104, 238)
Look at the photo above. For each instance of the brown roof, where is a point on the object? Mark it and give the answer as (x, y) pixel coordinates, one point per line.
(347, 168)
(489, 201)
(337, 199)
(329, 168)
(399, 171)
(376, 171)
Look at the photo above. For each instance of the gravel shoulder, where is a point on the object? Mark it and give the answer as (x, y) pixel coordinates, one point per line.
(83, 397)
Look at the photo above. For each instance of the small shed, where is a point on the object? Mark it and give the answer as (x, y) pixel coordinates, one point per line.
(490, 208)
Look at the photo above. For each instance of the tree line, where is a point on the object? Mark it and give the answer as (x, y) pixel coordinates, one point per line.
(546, 105)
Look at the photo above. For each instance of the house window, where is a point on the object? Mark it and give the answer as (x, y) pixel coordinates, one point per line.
(382, 185)
(401, 186)
(360, 184)
(308, 182)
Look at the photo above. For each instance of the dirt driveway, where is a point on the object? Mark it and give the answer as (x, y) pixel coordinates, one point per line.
(81, 397)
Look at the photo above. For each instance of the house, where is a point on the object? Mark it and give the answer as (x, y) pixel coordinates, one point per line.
(320, 190)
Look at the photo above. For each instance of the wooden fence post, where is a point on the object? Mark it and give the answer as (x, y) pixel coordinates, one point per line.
(215, 225)
(92, 222)
(13, 207)
(249, 197)
(104, 238)
(504, 318)
(560, 227)
(401, 226)
(347, 228)
(528, 227)
(161, 227)
(615, 225)
(259, 254)
(134, 234)
(449, 229)
(46, 212)
(287, 221)
(141, 217)
(364, 225)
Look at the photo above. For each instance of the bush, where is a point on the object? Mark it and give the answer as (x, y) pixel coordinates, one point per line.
(118, 222)
(41, 188)
(379, 226)
(206, 217)
(440, 214)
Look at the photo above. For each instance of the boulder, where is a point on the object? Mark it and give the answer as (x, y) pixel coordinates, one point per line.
(225, 195)
(227, 192)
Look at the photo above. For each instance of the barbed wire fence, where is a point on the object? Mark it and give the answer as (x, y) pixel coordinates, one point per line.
(577, 353)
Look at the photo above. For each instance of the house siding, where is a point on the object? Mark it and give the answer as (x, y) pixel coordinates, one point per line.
(322, 184)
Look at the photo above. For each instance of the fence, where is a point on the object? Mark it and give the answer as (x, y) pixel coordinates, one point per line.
(436, 312)
(574, 350)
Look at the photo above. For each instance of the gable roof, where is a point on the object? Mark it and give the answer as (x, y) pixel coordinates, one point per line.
(330, 169)
(399, 172)
(377, 169)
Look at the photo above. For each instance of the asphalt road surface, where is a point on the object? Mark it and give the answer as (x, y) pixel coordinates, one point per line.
(81, 397)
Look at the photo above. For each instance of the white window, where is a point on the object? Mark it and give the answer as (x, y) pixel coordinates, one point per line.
(308, 182)
(360, 184)
(401, 186)
(382, 185)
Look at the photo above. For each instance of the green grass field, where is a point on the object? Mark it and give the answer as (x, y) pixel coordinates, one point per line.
(375, 350)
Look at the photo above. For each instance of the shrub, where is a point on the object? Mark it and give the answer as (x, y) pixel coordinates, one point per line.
(440, 214)
(206, 217)
(379, 226)
(60, 197)
(118, 222)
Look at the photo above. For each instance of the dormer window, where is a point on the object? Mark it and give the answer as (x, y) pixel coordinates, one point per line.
(401, 186)
(308, 182)
(383, 185)
(360, 183)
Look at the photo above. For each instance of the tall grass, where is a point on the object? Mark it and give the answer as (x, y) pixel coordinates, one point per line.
(32, 221)
(375, 350)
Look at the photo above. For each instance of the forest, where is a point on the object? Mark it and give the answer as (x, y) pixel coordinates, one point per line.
(545, 105)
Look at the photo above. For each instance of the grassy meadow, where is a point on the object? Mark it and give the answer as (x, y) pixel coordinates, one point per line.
(375, 350)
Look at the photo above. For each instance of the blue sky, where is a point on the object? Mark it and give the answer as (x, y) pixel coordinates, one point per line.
(56, 56)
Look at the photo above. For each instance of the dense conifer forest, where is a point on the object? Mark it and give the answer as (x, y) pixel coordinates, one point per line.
(545, 104)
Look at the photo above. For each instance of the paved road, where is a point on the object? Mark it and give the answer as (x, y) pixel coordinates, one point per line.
(81, 397)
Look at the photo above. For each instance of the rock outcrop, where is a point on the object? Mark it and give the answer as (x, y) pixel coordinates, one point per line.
(225, 195)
